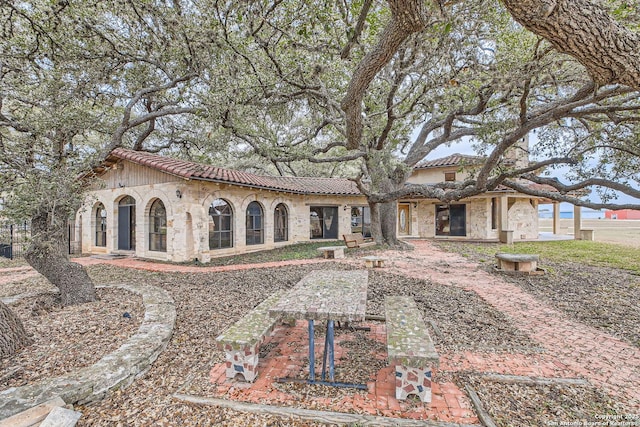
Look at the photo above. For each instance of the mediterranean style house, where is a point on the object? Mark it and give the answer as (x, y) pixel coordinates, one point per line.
(175, 210)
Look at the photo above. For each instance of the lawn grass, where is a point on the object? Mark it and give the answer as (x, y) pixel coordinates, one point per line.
(285, 253)
(582, 251)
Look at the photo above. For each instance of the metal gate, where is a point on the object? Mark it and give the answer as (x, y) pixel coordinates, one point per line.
(75, 239)
(14, 239)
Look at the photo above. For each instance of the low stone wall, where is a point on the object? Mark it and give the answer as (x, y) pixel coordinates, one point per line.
(115, 370)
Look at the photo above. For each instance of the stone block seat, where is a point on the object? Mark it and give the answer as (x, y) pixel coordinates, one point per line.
(241, 341)
(356, 240)
(374, 261)
(410, 348)
(525, 263)
(332, 251)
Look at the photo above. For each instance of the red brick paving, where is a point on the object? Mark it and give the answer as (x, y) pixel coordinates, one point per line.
(14, 274)
(287, 360)
(572, 349)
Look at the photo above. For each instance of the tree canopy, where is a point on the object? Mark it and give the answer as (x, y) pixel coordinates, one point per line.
(361, 86)
(362, 89)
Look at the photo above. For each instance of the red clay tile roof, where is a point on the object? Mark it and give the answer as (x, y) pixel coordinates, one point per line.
(198, 171)
(452, 160)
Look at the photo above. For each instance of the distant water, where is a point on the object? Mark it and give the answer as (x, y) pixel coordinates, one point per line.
(586, 214)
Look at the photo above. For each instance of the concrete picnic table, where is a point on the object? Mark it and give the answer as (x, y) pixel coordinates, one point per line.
(325, 295)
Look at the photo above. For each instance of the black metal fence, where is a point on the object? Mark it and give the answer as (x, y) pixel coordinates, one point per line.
(14, 240)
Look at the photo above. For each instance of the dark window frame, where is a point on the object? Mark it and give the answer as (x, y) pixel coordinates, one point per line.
(254, 224)
(101, 226)
(158, 227)
(281, 223)
(494, 213)
(325, 223)
(361, 220)
(221, 238)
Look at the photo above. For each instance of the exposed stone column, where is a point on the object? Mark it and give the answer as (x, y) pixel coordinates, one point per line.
(504, 213)
(556, 218)
(505, 234)
(577, 222)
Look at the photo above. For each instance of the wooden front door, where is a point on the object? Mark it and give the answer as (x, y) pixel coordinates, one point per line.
(127, 224)
(404, 220)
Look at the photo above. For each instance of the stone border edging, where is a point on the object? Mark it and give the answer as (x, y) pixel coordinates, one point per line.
(115, 370)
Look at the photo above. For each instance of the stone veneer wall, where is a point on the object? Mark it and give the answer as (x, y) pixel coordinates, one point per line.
(523, 220)
(426, 219)
(478, 213)
(188, 219)
(478, 219)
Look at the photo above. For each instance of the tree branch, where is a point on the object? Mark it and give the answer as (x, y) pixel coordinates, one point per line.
(584, 30)
(407, 17)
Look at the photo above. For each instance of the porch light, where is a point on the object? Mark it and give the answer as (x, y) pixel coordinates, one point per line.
(179, 194)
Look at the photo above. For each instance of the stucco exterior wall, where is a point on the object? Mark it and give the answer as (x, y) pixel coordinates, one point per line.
(435, 175)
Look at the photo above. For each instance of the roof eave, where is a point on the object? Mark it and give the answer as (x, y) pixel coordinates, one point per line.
(282, 190)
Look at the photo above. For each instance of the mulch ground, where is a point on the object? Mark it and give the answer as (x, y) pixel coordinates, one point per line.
(472, 336)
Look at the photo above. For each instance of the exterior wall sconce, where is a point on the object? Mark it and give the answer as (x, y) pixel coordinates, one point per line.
(415, 205)
(345, 207)
(179, 194)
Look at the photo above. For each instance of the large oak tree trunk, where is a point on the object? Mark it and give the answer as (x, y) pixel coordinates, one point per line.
(13, 336)
(384, 214)
(48, 255)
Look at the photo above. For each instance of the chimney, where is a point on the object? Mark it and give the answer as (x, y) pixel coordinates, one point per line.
(518, 155)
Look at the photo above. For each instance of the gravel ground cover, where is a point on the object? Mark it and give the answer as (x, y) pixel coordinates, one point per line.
(595, 295)
(69, 338)
(207, 303)
(540, 405)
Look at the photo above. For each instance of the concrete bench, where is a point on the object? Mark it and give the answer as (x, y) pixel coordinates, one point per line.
(409, 348)
(332, 251)
(587, 234)
(525, 263)
(356, 240)
(241, 342)
(374, 261)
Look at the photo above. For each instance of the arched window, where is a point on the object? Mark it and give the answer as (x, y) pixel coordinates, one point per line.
(255, 226)
(158, 227)
(101, 225)
(220, 225)
(280, 224)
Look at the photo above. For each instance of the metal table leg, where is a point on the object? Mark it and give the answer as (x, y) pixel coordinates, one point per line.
(328, 352)
(312, 356)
